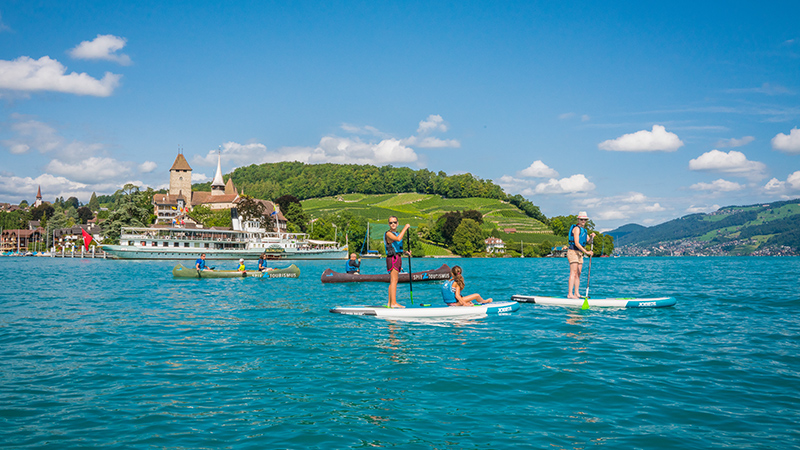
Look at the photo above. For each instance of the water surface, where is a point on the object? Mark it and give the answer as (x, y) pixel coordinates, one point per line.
(119, 354)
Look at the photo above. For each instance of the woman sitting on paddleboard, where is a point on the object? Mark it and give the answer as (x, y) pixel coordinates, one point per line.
(577, 240)
(393, 241)
(451, 291)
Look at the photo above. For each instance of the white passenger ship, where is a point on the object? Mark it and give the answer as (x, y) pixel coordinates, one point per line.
(190, 243)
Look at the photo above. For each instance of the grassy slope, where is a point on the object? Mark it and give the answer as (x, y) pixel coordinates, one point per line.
(417, 209)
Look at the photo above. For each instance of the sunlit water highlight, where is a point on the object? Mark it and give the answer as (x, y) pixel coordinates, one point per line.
(118, 354)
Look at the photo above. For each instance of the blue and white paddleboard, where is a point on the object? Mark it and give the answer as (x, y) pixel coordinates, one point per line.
(660, 302)
(429, 311)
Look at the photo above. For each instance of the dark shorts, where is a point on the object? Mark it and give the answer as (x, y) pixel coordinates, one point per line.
(394, 263)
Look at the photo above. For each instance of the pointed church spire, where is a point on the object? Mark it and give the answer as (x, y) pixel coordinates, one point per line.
(218, 177)
(218, 185)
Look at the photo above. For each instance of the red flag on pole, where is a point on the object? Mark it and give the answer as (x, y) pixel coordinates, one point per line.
(87, 239)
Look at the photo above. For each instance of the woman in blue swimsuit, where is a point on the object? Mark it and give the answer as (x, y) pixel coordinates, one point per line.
(451, 291)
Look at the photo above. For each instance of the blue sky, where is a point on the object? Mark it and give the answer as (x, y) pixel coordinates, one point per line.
(632, 111)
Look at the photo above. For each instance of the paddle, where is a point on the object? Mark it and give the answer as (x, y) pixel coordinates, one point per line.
(588, 280)
(410, 285)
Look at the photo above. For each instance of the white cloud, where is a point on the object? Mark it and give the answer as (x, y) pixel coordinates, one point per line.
(792, 184)
(90, 170)
(147, 166)
(719, 185)
(793, 180)
(621, 207)
(511, 184)
(766, 88)
(701, 209)
(585, 118)
(611, 214)
(634, 197)
(337, 149)
(566, 116)
(430, 142)
(434, 122)
(367, 129)
(655, 207)
(538, 170)
(331, 149)
(198, 177)
(572, 185)
(659, 139)
(787, 143)
(3, 26)
(733, 142)
(32, 134)
(18, 188)
(45, 74)
(102, 47)
(235, 155)
(733, 162)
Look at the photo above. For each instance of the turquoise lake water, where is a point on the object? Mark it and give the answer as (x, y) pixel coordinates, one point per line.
(118, 354)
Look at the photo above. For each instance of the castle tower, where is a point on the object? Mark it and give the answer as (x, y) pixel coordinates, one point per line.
(218, 185)
(180, 178)
(38, 198)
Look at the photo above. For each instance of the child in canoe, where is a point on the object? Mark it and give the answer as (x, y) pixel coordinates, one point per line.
(451, 291)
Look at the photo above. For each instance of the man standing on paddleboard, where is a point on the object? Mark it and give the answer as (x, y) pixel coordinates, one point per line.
(393, 242)
(577, 240)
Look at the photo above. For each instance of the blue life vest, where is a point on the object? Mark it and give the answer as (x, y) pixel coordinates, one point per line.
(395, 248)
(581, 237)
(201, 262)
(351, 268)
(449, 292)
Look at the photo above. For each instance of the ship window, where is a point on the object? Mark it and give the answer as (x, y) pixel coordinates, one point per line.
(153, 244)
(185, 244)
(176, 244)
(165, 244)
(144, 243)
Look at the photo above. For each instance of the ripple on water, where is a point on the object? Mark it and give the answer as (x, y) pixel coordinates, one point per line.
(119, 354)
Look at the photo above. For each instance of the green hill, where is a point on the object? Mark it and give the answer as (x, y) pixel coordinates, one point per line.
(418, 209)
(308, 181)
(763, 229)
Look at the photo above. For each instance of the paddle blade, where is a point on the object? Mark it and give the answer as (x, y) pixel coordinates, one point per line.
(585, 303)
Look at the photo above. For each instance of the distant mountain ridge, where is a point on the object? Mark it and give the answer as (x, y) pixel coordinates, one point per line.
(761, 229)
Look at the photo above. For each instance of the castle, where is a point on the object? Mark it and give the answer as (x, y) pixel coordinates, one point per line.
(171, 208)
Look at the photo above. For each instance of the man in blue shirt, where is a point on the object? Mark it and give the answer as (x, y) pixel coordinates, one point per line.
(200, 264)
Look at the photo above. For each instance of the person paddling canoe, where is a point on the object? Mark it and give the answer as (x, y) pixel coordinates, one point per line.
(393, 241)
(578, 238)
(200, 264)
(262, 263)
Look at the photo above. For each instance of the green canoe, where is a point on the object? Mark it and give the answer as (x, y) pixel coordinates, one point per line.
(180, 271)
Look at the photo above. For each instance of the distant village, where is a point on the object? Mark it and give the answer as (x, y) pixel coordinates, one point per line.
(170, 209)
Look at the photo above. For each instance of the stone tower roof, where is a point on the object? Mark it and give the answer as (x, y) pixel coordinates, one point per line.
(180, 163)
(230, 188)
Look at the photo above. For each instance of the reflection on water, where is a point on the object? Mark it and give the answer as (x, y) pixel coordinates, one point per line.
(101, 352)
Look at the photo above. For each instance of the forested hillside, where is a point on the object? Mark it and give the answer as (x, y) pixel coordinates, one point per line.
(765, 229)
(305, 181)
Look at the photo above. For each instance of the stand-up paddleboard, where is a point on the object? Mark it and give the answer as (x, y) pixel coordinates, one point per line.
(660, 302)
(429, 311)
